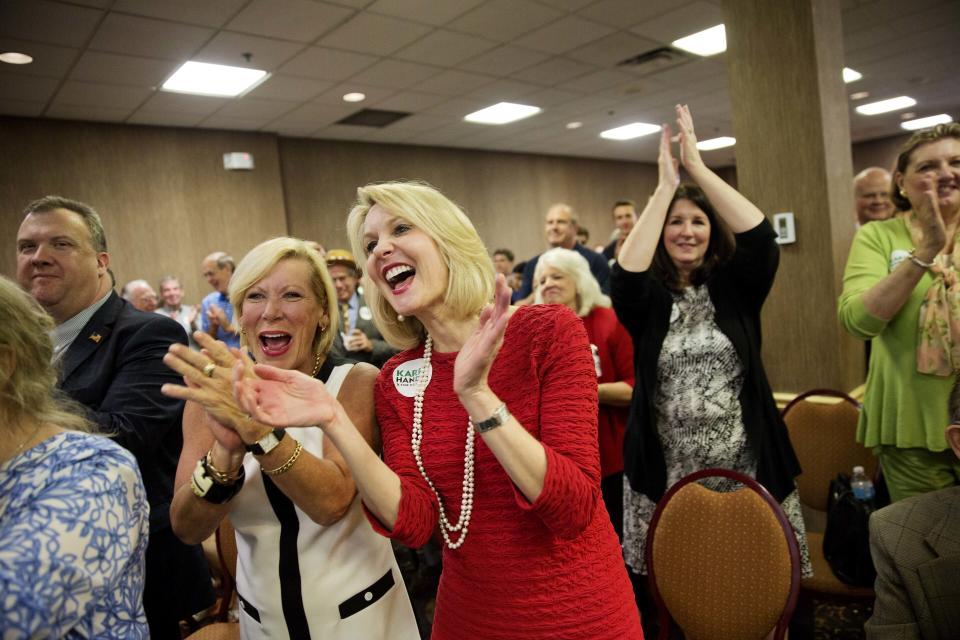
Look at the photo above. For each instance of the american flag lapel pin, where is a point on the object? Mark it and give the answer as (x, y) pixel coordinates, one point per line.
(96, 337)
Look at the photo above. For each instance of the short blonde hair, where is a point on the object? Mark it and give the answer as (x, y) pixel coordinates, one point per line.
(27, 379)
(574, 265)
(261, 260)
(470, 282)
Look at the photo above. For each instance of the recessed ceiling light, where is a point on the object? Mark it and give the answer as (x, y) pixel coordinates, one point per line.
(849, 75)
(574, 125)
(708, 42)
(716, 143)
(908, 115)
(883, 106)
(859, 95)
(12, 57)
(354, 96)
(205, 79)
(502, 113)
(630, 131)
(923, 123)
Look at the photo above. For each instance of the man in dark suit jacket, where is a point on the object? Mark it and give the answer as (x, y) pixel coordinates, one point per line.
(358, 339)
(110, 360)
(915, 545)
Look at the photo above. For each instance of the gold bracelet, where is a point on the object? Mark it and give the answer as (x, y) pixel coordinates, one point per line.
(221, 477)
(286, 465)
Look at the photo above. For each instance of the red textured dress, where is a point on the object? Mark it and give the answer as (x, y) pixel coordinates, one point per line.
(545, 570)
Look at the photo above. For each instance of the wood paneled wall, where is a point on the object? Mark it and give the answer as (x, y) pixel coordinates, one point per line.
(506, 195)
(164, 196)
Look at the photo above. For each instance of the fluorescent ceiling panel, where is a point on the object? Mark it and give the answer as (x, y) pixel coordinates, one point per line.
(630, 131)
(884, 106)
(708, 42)
(923, 123)
(849, 75)
(716, 143)
(502, 113)
(205, 79)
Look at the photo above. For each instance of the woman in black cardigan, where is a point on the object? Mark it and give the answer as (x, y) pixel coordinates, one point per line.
(690, 295)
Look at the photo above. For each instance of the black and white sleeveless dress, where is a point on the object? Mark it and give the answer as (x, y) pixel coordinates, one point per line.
(699, 418)
(299, 580)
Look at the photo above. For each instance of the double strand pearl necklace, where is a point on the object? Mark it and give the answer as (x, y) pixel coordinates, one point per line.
(466, 498)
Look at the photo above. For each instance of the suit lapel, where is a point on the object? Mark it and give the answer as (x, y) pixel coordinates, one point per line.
(93, 335)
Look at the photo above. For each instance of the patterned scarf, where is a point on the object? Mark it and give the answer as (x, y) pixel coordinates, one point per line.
(938, 340)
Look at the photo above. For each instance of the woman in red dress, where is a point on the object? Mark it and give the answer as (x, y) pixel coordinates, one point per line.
(489, 428)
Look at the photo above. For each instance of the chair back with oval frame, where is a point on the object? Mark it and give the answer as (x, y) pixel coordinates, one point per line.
(722, 565)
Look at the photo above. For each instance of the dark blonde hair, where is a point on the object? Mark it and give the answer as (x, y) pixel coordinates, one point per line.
(27, 379)
(917, 140)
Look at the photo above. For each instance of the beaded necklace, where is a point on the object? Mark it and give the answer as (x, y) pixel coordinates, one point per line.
(416, 437)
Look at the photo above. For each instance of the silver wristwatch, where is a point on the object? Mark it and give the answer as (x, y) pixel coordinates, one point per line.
(500, 416)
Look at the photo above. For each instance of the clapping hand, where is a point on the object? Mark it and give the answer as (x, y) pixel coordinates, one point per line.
(689, 154)
(934, 233)
(473, 363)
(282, 397)
(668, 165)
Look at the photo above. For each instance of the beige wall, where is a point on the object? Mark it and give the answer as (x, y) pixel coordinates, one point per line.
(167, 201)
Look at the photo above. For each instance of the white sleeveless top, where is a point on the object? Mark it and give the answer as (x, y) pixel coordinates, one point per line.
(299, 580)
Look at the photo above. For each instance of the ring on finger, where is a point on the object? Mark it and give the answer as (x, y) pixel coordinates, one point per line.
(208, 369)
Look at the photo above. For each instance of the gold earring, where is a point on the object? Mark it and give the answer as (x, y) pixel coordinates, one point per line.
(400, 318)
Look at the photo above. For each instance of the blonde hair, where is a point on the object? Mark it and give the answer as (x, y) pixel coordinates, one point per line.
(261, 260)
(470, 282)
(574, 265)
(27, 379)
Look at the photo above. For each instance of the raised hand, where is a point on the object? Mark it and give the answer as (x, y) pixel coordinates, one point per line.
(283, 398)
(473, 363)
(669, 168)
(689, 154)
(934, 233)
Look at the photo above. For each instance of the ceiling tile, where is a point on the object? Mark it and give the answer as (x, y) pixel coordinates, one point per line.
(96, 114)
(218, 121)
(208, 13)
(426, 11)
(149, 38)
(50, 22)
(391, 135)
(290, 131)
(27, 88)
(454, 82)
(112, 68)
(228, 48)
(327, 64)
(506, 91)
(567, 5)
(394, 73)
(504, 20)
(553, 71)
(458, 107)
(164, 118)
(90, 94)
(424, 122)
(504, 60)
(312, 115)
(375, 34)
(252, 108)
(297, 20)
(613, 49)
(623, 14)
(445, 48)
(278, 87)
(409, 101)
(564, 35)
(597, 81)
(335, 94)
(48, 60)
(686, 20)
(183, 103)
(11, 107)
(552, 97)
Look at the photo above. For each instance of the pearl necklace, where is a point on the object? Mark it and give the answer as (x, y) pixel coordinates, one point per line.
(466, 498)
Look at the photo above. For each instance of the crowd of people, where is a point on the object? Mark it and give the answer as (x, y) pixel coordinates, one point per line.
(420, 389)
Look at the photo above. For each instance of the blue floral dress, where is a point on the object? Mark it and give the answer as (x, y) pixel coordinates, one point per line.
(73, 534)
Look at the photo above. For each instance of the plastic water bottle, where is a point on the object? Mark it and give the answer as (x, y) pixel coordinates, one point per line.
(861, 485)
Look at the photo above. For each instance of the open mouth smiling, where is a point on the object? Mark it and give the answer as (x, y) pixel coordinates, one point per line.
(274, 343)
(397, 275)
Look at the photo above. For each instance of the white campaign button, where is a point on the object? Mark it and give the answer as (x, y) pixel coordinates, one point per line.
(365, 313)
(410, 376)
(368, 596)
